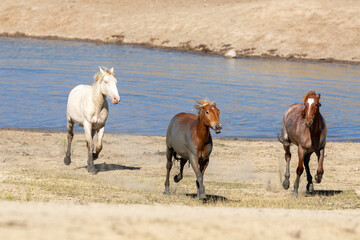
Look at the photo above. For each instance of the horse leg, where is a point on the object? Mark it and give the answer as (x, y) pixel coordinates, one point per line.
(194, 161)
(299, 170)
(320, 171)
(286, 182)
(178, 177)
(169, 154)
(99, 143)
(309, 186)
(90, 146)
(70, 136)
(203, 166)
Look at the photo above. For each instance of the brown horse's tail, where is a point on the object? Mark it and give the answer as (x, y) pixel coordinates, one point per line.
(280, 138)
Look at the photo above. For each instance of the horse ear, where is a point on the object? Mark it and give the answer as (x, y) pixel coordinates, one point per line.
(202, 102)
(318, 97)
(112, 70)
(102, 71)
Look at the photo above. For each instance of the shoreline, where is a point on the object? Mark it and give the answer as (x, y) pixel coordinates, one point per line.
(244, 139)
(288, 30)
(264, 56)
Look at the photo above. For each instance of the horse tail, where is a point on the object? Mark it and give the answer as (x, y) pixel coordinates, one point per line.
(280, 138)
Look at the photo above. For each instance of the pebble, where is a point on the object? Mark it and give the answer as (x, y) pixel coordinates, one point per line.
(230, 54)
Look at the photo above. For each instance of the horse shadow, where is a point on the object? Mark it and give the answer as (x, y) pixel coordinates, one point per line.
(210, 198)
(104, 167)
(327, 193)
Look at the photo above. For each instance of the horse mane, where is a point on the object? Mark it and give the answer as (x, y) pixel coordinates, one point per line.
(98, 76)
(200, 104)
(308, 94)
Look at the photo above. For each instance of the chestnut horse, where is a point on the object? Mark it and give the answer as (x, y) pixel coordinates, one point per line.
(304, 126)
(188, 136)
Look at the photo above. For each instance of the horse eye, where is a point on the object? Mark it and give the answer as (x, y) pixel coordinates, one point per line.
(207, 112)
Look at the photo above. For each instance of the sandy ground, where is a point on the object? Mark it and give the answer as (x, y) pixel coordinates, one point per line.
(306, 29)
(98, 221)
(41, 198)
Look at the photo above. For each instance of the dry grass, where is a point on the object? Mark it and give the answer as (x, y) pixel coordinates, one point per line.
(240, 174)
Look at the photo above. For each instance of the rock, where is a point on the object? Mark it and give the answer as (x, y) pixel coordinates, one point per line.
(230, 54)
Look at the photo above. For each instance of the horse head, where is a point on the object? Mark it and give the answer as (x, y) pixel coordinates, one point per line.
(311, 107)
(209, 115)
(108, 84)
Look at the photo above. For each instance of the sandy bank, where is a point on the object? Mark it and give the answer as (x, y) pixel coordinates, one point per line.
(41, 198)
(320, 30)
(100, 221)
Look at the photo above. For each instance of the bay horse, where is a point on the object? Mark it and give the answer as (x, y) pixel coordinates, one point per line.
(87, 107)
(188, 136)
(304, 126)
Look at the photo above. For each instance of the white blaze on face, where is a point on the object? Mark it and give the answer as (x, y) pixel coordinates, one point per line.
(310, 101)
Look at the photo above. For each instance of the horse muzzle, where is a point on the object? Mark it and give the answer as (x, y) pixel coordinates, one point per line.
(115, 100)
(309, 123)
(217, 128)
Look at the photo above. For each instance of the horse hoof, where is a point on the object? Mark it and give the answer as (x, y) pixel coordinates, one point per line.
(95, 156)
(310, 188)
(295, 194)
(176, 179)
(92, 170)
(67, 160)
(202, 196)
(286, 184)
(318, 178)
(166, 192)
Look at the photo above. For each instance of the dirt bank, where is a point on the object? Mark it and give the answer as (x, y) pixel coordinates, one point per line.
(320, 30)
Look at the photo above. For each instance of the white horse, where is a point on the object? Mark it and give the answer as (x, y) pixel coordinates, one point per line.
(87, 107)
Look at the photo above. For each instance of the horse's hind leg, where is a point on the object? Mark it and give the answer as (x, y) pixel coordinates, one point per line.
(286, 182)
(320, 170)
(178, 177)
(169, 154)
(299, 170)
(309, 186)
(70, 136)
(99, 143)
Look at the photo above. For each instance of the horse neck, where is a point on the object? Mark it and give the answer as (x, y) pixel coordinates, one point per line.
(315, 129)
(98, 98)
(202, 130)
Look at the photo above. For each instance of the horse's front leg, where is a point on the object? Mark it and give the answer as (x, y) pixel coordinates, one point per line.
(204, 165)
(90, 146)
(309, 186)
(320, 171)
(299, 170)
(194, 161)
(99, 143)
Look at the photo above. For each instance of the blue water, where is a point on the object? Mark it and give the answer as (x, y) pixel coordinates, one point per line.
(37, 74)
